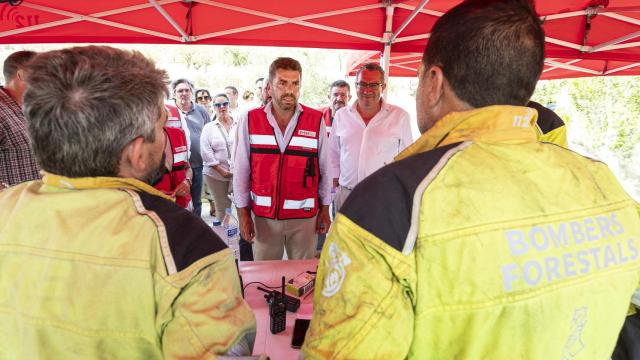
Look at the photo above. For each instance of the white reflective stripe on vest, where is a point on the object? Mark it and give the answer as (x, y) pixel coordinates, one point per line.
(299, 204)
(173, 123)
(181, 156)
(262, 140)
(304, 142)
(260, 200)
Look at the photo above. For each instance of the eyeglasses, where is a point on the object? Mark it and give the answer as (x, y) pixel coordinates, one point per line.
(222, 104)
(202, 98)
(364, 85)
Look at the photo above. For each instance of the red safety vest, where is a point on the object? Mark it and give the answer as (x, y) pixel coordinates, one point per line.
(173, 116)
(171, 179)
(328, 120)
(284, 185)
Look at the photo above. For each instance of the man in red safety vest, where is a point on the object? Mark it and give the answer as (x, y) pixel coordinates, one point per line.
(280, 171)
(176, 181)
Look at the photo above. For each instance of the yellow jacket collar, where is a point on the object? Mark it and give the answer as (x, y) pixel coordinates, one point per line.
(100, 183)
(488, 124)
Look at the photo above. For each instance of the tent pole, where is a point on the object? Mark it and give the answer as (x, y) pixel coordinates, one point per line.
(406, 22)
(386, 54)
(185, 37)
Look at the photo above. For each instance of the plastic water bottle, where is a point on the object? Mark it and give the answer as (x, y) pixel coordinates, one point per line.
(230, 226)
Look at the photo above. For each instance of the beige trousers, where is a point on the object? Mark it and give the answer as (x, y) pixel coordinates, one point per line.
(220, 191)
(298, 236)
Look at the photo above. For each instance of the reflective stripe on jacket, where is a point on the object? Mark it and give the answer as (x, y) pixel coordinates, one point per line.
(171, 179)
(284, 185)
(478, 242)
(173, 116)
(108, 268)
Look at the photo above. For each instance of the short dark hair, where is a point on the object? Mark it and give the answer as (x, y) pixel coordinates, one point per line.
(496, 58)
(14, 62)
(83, 105)
(233, 89)
(371, 67)
(339, 84)
(200, 91)
(284, 63)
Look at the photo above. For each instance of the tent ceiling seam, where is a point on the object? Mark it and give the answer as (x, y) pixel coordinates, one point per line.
(281, 20)
(74, 17)
(572, 67)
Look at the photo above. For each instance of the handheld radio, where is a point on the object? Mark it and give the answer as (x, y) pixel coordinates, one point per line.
(277, 312)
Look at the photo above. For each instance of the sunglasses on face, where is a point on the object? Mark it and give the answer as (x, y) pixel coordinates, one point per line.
(222, 104)
(203, 98)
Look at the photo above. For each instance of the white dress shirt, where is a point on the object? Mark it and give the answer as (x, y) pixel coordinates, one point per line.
(213, 147)
(241, 161)
(356, 149)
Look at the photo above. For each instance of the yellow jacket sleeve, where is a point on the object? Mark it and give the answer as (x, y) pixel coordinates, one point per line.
(556, 136)
(363, 298)
(207, 316)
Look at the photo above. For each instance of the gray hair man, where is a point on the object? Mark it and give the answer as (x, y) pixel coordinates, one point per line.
(367, 134)
(339, 96)
(480, 241)
(17, 162)
(144, 277)
(196, 117)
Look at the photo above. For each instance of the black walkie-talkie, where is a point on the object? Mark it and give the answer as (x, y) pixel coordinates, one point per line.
(278, 312)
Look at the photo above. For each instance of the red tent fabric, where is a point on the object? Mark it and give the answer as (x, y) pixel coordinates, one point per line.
(406, 65)
(584, 37)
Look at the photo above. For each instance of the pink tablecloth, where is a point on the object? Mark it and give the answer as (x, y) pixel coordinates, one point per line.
(276, 346)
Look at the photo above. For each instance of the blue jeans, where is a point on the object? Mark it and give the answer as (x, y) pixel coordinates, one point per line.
(196, 190)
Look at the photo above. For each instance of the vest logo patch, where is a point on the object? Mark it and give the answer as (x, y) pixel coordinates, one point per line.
(575, 344)
(181, 149)
(336, 272)
(307, 133)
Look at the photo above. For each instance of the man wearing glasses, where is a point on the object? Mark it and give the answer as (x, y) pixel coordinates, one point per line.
(366, 135)
(196, 117)
(281, 171)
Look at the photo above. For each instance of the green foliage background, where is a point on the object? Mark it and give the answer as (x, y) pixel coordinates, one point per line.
(603, 120)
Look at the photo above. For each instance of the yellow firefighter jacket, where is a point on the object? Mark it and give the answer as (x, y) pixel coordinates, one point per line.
(479, 242)
(105, 268)
(549, 126)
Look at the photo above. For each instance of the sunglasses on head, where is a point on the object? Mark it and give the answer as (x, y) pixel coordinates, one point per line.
(222, 104)
(204, 97)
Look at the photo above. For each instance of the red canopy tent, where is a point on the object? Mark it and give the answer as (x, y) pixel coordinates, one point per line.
(406, 65)
(584, 37)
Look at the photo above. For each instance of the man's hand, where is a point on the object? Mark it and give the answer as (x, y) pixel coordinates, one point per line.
(182, 189)
(323, 220)
(222, 171)
(247, 229)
